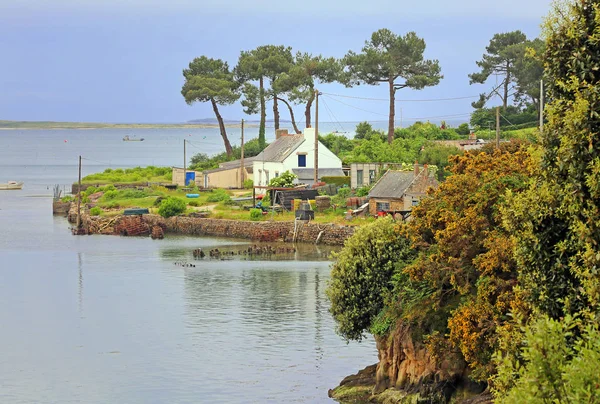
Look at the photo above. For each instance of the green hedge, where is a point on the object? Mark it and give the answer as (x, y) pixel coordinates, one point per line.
(340, 181)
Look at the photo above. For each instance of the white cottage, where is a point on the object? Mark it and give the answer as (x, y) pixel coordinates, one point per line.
(294, 153)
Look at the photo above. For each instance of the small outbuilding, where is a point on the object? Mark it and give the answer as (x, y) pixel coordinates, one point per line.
(399, 191)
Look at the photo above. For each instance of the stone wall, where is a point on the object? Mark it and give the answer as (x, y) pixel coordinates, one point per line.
(261, 231)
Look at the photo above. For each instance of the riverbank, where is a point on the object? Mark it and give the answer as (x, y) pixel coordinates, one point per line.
(269, 231)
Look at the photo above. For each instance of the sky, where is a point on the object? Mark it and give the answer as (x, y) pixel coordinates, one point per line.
(122, 61)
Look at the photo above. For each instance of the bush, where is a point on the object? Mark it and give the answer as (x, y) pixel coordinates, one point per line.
(361, 275)
(463, 129)
(158, 201)
(248, 184)
(255, 214)
(285, 180)
(194, 203)
(363, 191)
(171, 207)
(339, 181)
(95, 211)
(218, 195)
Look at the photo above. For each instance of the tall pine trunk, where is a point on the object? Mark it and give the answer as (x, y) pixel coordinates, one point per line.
(293, 118)
(275, 112)
(228, 148)
(308, 107)
(263, 116)
(392, 112)
(506, 83)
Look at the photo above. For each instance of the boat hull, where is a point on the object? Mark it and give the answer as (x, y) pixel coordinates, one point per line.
(11, 187)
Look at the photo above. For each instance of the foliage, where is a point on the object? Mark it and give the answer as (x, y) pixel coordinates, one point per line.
(201, 161)
(285, 180)
(513, 117)
(340, 181)
(129, 175)
(209, 80)
(299, 82)
(427, 131)
(218, 195)
(557, 222)
(172, 206)
(361, 274)
(255, 214)
(267, 61)
(560, 365)
(95, 211)
(248, 184)
(463, 129)
(363, 130)
(502, 54)
(338, 144)
(387, 57)
(194, 203)
(465, 258)
(438, 155)
(363, 191)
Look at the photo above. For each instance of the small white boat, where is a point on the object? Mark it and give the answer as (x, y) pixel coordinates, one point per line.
(132, 139)
(10, 185)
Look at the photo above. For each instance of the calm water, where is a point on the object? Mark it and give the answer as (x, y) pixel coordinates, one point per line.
(101, 319)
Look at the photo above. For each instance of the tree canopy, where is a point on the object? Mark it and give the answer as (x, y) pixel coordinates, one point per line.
(209, 80)
(387, 57)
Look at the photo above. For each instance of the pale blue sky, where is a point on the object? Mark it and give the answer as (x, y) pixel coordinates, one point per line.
(121, 61)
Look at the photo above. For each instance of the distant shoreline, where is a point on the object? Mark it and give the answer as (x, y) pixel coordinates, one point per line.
(16, 125)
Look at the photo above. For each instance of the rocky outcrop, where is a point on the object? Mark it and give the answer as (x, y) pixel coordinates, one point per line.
(407, 373)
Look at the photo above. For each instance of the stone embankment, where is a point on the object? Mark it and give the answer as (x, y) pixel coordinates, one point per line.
(144, 225)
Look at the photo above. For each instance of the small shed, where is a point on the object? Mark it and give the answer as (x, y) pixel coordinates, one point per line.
(399, 191)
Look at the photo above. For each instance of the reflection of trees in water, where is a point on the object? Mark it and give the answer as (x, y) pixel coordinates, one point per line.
(263, 300)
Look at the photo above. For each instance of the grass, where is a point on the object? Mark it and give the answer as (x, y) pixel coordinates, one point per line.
(130, 175)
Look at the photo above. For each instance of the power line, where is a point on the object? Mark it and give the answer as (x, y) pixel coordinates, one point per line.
(332, 115)
(360, 109)
(399, 100)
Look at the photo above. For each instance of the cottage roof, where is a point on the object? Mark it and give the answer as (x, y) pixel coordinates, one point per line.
(393, 184)
(280, 149)
(309, 173)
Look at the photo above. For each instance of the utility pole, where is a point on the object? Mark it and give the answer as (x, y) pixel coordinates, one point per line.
(541, 106)
(184, 165)
(498, 127)
(316, 136)
(79, 197)
(242, 158)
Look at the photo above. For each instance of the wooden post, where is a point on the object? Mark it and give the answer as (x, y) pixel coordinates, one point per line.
(253, 197)
(242, 159)
(316, 136)
(79, 197)
(498, 127)
(541, 106)
(184, 164)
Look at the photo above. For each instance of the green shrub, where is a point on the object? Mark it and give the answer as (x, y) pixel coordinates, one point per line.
(363, 191)
(463, 129)
(110, 195)
(67, 198)
(285, 180)
(339, 181)
(248, 184)
(172, 207)
(95, 211)
(194, 203)
(158, 201)
(255, 214)
(343, 193)
(361, 275)
(218, 195)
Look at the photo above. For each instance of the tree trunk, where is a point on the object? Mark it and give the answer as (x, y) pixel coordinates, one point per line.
(263, 116)
(308, 107)
(228, 148)
(506, 83)
(291, 114)
(275, 111)
(392, 112)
